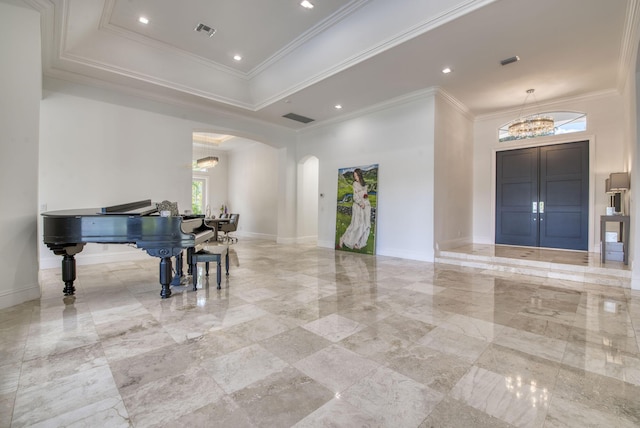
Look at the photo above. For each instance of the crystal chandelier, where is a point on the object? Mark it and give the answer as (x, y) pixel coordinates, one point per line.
(531, 126)
(207, 162)
(204, 144)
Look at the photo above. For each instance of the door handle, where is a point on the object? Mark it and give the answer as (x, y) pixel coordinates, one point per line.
(541, 207)
(535, 207)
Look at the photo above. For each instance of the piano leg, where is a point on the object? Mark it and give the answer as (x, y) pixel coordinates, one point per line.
(177, 280)
(165, 277)
(68, 274)
(190, 251)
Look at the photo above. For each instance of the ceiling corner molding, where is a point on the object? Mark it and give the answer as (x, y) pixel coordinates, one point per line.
(107, 27)
(630, 41)
(456, 104)
(210, 111)
(148, 42)
(39, 5)
(153, 80)
(389, 43)
(551, 104)
(58, 57)
(46, 8)
(107, 11)
(308, 35)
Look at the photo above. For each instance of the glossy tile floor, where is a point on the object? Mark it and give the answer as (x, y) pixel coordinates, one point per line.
(568, 257)
(310, 337)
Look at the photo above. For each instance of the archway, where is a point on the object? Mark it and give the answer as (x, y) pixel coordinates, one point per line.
(244, 180)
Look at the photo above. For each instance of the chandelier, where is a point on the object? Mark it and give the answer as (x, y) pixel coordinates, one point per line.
(204, 145)
(531, 126)
(207, 162)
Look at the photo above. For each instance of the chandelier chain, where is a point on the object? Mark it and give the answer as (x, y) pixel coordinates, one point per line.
(532, 125)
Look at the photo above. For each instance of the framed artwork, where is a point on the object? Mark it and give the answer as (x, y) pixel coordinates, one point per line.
(356, 209)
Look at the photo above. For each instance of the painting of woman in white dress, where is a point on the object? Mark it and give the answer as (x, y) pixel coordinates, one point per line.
(357, 196)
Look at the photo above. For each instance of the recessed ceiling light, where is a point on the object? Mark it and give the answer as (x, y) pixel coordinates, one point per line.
(338, 106)
(446, 70)
(237, 57)
(143, 20)
(306, 4)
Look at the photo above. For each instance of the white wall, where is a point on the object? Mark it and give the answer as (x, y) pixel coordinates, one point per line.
(608, 154)
(287, 203)
(307, 197)
(96, 154)
(253, 190)
(633, 92)
(453, 198)
(400, 139)
(20, 87)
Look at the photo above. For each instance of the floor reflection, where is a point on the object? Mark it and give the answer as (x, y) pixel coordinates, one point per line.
(306, 336)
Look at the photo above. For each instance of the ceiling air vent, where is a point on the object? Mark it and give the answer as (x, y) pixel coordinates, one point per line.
(298, 118)
(203, 28)
(510, 60)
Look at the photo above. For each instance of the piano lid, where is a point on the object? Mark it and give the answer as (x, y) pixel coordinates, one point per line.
(131, 208)
(139, 208)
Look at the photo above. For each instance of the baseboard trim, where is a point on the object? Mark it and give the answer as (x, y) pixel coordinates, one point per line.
(393, 252)
(10, 298)
(428, 256)
(280, 240)
(93, 259)
(267, 236)
(453, 243)
(307, 239)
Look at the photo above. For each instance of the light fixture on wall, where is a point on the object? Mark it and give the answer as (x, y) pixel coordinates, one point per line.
(531, 126)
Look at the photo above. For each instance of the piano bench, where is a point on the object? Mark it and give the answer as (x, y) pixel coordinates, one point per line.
(213, 253)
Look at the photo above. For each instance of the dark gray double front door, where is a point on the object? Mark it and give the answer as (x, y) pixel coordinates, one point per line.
(542, 196)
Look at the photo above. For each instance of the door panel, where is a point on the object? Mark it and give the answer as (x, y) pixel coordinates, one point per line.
(516, 189)
(564, 188)
(563, 225)
(542, 196)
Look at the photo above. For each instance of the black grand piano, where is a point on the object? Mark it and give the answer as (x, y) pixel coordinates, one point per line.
(66, 233)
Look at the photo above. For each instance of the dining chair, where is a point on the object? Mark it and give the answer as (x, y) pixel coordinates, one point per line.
(229, 227)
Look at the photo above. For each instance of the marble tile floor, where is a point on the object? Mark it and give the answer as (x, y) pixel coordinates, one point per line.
(576, 266)
(311, 337)
(533, 254)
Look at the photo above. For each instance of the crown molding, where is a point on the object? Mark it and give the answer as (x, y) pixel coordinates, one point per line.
(456, 104)
(79, 84)
(551, 104)
(629, 49)
(155, 81)
(386, 105)
(389, 43)
(155, 44)
(307, 36)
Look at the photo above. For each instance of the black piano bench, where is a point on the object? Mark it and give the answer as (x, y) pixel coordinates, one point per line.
(213, 253)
